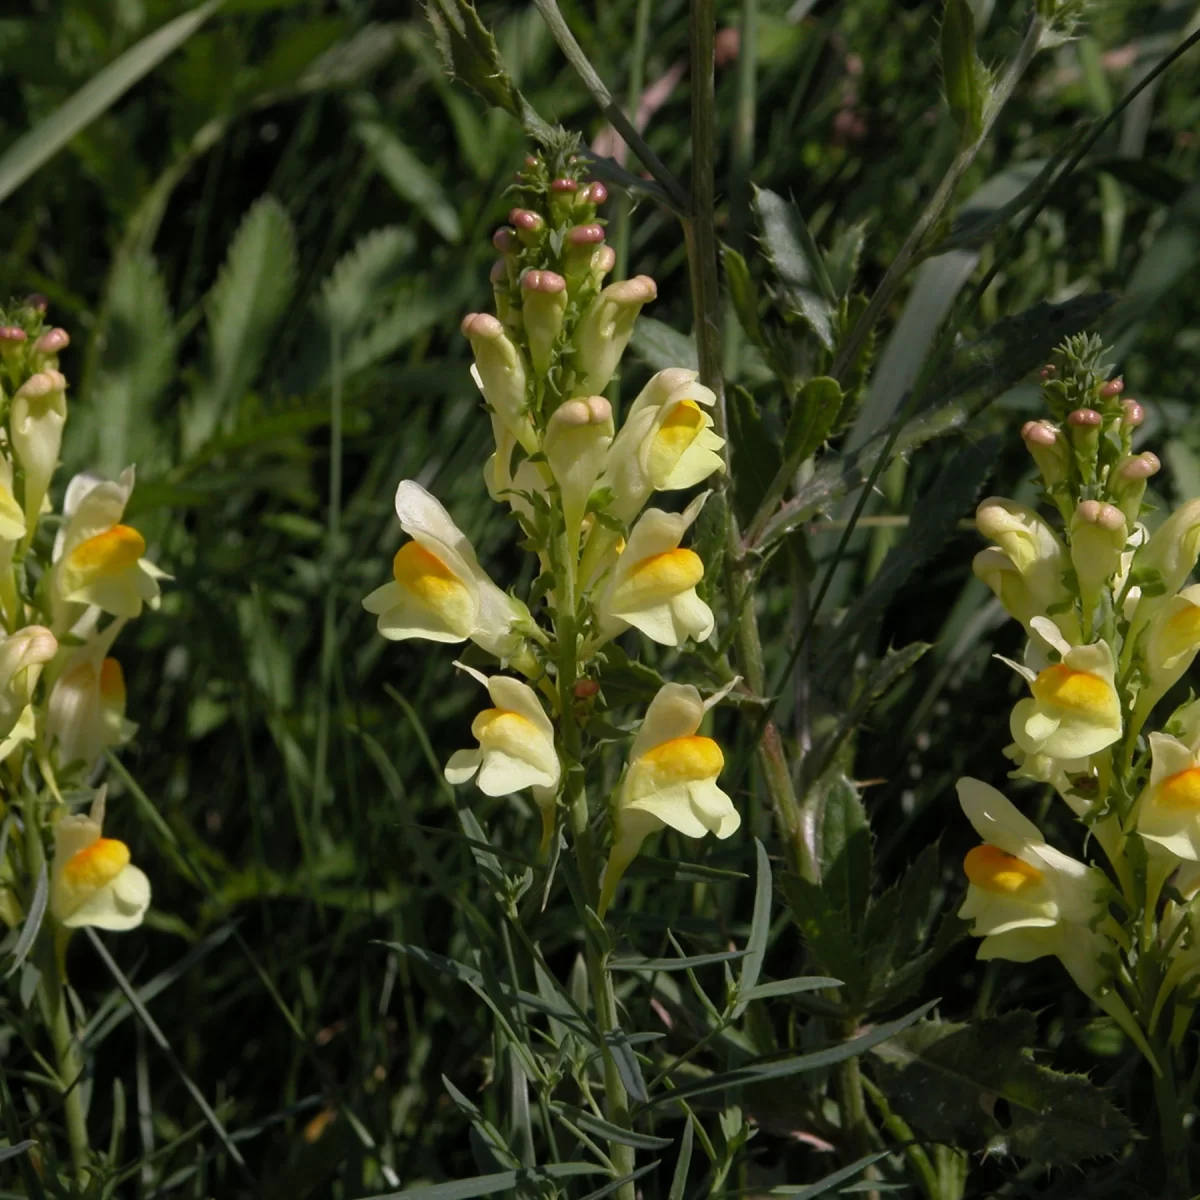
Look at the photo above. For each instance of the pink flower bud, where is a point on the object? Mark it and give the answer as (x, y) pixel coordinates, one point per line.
(1086, 418)
(544, 306)
(1039, 433)
(1128, 482)
(499, 272)
(37, 302)
(526, 221)
(1140, 466)
(563, 185)
(1104, 516)
(543, 281)
(53, 341)
(595, 192)
(1114, 387)
(1132, 413)
(481, 325)
(11, 337)
(505, 240)
(585, 689)
(1049, 450)
(585, 235)
(1048, 371)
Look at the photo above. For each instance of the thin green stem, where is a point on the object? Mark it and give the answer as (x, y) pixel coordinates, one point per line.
(616, 1100)
(856, 1125)
(1171, 1129)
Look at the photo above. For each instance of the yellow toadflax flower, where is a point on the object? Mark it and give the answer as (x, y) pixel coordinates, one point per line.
(665, 444)
(516, 747)
(39, 412)
(93, 881)
(22, 657)
(1075, 710)
(1171, 643)
(653, 583)
(671, 781)
(97, 559)
(1168, 810)
(85, 713)
(439, 591)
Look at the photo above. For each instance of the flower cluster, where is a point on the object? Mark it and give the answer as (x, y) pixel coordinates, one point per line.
(578, 485)
(1112, 627)
(63, 601)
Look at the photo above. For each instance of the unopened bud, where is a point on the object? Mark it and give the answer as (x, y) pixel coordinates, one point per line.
(53, 341)
(585, 235)
(1132, 413)
(1086, 418)
(37, 302)
(579, 252)
(1114, 387)
(1049, 450)
(1098, 536)
(563, 185)
(578, 436)
(595, 193)
(1128, 482)
(604, 330)
(12, 338)
(505, 240)
(39, 412)
(1085, 425)
(1048, 371)
(563, 197)
(544, 304)
(501, 375)
(528, 224)
(585, 689)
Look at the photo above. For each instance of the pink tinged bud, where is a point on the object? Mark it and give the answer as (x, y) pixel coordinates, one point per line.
(604, 258)
(578, 436)
(530, 161)
(1086, 418)
(567, 186)
(1085, 425)
(1132, 413)
(37, 302)
(585, 235)
(1098, 536)
(1128, 482)
(604, 330)
(505, 240)
(1048, 371)
(53, 341)
(12, 338)
(501, 374)
(585, 689)
(528, 224)
(499, 273)
(595, 193)
(1114, 387)
(1049, 450)
(544, 304)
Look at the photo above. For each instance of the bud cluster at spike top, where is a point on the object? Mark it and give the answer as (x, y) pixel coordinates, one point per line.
(64, 598)
(1113, 625)
(578, 480)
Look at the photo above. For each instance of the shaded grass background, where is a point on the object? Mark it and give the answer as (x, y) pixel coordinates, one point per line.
(262, 252)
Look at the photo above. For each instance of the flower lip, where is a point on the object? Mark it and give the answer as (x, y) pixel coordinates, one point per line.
(996, 871)
(116, 549)
(1066, 687)
(1180, 791)
(96, 865)
(683, 760)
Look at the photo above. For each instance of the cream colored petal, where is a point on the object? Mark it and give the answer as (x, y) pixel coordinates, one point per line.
(92, 506)
(1096, 659)
(1030, 727)
(462, 765)
(714, 808)
(120, 906)
(676, 711)
(424, 518)
(1168, 757)
(672, 806)
(1020, 945)
(996, 819)
(502, 774)
(657, 623)
(515, 696)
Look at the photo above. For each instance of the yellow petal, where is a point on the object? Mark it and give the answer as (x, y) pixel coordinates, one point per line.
(108, 553)
(112, 682)
(434, 585)
(657, 578)
(990, 868)
(96, 865)
(1180, 791)
(1077, 691)
(681, 760)
(679, 429)
(1180, 633)
(505, 730)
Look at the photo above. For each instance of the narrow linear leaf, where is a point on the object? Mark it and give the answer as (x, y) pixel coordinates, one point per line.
(609, 1188)
(822, 1187)
(95, 98)
(792, 987)
(501, 1181)
(606, 1129)
(682, 1163)
(675, 964)
(760, 929)
(32, 924)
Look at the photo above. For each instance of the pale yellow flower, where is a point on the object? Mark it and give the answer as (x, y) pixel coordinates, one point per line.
(438, 589)
(1168, 810)
(92, 880)
(652, 585)
(671, 781)
(39, 412)
(22, 657)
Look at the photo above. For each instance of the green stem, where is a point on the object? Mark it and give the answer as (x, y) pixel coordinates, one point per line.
(53, 1003)
(1171, 1131)
(856, 1125)
(616, 1100)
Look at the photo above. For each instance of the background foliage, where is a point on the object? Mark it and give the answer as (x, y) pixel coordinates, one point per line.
(262, 249)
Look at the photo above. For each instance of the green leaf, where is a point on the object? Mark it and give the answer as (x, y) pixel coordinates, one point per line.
(674, 964)
(616, 1184)
(962, 72)
(813, 415)
(845, 846)
(760, 930)
(797, 262)
(792, 987)
(682, 1163)
(95, 98)
(945, 1080)
(469, 52)
(606, 1129)
(828, 933)
(408, 176)
(758, 1073)
(843, 257)
(32, 923)
(501, 1181)
(659, 346)
(743, 295)
(756, 455)
(135, 363)
(246, 304)
(809, 1191)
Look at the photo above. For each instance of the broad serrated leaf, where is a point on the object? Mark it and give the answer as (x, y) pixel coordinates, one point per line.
(962, 72)
(134, 365)
(807, 290)
(828, 933)
(843, 257)
(408, 176)
(814, 412)
(470, 53)
(945, 1080)
(366, 275)
(756, 455)
(244, 308)
(845, 846)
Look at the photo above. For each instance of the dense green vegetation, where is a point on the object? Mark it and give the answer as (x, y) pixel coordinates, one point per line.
(261, 243)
